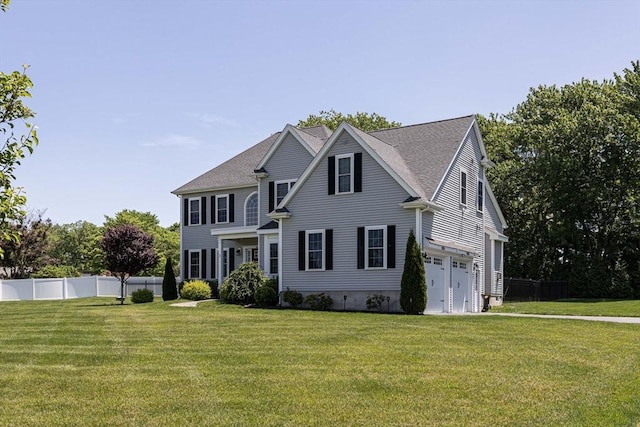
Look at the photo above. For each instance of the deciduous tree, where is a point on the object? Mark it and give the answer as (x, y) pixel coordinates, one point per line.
(31, 251)
(128, 251)
(363, 121)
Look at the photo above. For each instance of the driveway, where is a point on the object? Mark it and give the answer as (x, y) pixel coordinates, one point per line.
(635, 320)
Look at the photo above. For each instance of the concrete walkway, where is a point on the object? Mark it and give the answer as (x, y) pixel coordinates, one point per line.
(189, 303)
(635, 320)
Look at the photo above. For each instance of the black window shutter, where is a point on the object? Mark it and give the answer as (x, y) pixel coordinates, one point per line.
(213, 209)
(231, 208)
(214, 261)
(185, 265)
(232, 258)
(328, 260)
(360, 247)
(271, 196)
(203, 210)
(203, 264)
(391, 246)
(331, 180)
(301, 247)
(357, 176)
(185, 212)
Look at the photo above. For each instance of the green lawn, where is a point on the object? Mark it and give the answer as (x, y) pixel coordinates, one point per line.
(89, 362)
(577, 307)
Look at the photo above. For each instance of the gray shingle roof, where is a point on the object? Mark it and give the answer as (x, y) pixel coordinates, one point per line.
(427, 149)
(420, 155)
(235, 172)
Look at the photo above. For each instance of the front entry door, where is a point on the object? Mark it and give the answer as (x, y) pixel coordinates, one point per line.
(250, 254)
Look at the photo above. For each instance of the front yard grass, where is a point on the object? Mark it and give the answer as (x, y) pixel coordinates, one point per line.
(92, 362)
(575, 307)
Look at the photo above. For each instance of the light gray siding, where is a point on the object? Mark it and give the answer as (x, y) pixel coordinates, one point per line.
(287, 163)
(313, 208)
(493, 218)
(199, 236)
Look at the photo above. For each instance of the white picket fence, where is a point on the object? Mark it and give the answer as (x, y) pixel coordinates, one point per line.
(74, 287)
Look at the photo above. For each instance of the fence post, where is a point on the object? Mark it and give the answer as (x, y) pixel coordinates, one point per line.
(64, 288)
(0, 290)
(33, 289)
(97, 290)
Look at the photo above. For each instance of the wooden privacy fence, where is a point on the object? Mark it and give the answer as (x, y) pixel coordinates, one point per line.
(535, 290)
(74, 287)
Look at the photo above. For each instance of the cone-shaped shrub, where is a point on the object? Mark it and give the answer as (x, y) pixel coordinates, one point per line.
(413, 288)
(169, 285)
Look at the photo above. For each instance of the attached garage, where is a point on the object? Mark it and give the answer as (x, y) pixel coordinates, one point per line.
(448, 284)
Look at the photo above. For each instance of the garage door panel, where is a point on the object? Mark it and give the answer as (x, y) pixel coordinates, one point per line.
(434, 270)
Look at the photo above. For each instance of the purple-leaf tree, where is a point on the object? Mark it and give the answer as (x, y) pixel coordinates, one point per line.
(128, 250)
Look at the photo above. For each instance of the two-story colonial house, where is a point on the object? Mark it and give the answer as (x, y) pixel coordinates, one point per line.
(331, 212)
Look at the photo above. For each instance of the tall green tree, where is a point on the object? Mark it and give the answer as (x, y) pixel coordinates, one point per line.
(166, 240)
(413, 288)
(568, 181)
(78, 245)
(363, 121)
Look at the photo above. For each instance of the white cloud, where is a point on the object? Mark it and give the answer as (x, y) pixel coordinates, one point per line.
(209, 120)
(174, 140)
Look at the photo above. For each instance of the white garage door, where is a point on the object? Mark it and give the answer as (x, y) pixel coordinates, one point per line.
(434, 270)
(459, 285)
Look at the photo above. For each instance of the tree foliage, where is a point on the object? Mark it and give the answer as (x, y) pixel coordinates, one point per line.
(78, 245)
(127, 251)
(413, 288)
(14, 87)
(567, 178)
(364, 121)
(166, 240)
(31, 251)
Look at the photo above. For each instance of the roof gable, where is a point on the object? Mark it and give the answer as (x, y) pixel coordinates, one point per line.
(377, 149)
(310, 142)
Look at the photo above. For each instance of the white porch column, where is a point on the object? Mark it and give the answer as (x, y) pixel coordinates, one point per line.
(280, 255)
(219, 266)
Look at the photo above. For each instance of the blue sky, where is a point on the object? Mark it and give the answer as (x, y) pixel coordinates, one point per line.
(136, 97)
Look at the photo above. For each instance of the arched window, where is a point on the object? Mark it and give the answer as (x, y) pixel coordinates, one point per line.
(251, 210)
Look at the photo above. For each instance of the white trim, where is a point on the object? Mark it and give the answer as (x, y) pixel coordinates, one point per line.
(219, 261)
(453, 161)
(199, 200)
(495, 235)
(288, 129)
(235, 232)
(384, 246)
(345, 127)
(213, 189)
(244, 252)
(338, 157)
(280, 272)
(218, 197)
(245, 209)
(306, 249)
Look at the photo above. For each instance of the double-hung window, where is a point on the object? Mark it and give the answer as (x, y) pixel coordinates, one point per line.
(375, 249)
(463, 187)
(344, 175)
(194, 264)
(282, 188)
(194, 211)
(315, 249)
(222, 209)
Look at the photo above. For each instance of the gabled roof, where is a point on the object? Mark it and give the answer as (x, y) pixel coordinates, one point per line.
(307, 140)
(235, 172)
(428, 149)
